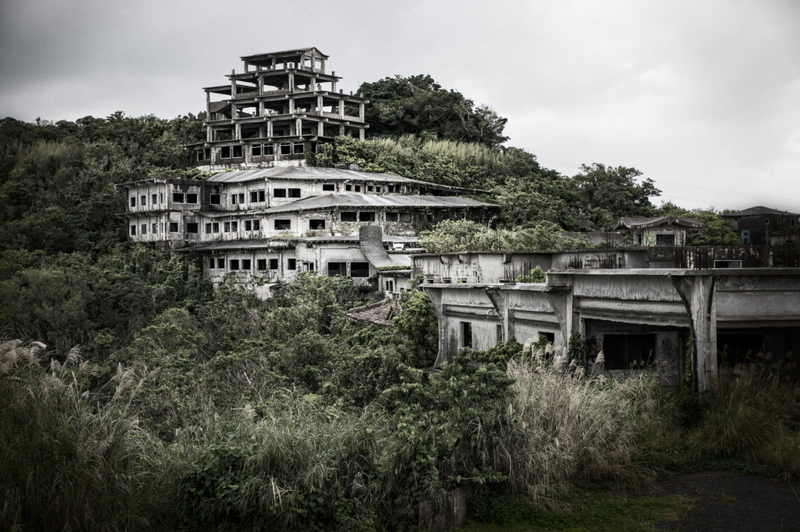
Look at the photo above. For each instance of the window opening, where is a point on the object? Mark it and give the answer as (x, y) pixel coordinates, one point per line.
(191, 227)
(291, 264)
(294, 192)
(279, 192)
(359, 269)
(329, 187)
(337, 268)
(246, 264)
(283, 225)
(466, 334)
(191, 198)
(173, 227)
(623, 351)
(261, 264)
(349, 216)
(366, 217)
(177, 197)
(316, 224)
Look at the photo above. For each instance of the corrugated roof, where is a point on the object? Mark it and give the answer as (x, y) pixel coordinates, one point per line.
(306, 172)
(757, 211)
(365, 200)
(643, 223)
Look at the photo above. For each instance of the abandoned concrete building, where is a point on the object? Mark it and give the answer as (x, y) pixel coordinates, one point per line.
(280, 105)
(762, 225)
(661, 231)
(270, 223)
(636, 317)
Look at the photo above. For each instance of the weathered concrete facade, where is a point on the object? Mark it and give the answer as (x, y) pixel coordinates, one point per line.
(283, 104)
(636, 317)
(660, 231)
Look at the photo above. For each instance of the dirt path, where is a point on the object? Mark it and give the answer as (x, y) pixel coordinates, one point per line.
(726, 501)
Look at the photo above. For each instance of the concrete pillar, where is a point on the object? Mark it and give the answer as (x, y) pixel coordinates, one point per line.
(291, 106)
(436, 297)
(361, 134)
(320, 129)
(269, 129)
(341, 131)
(319, 104)
(298, 126)
(341, 108)
(499, 300)
(361, 112)
(291, 81)
(560, 298)
(697, 293)
(237, 131)
(260, 84)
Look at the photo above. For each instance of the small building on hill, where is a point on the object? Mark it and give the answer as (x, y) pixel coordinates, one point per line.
(659, 231)
(760, 225)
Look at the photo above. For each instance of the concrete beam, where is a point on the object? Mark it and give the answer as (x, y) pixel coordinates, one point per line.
(697, 294)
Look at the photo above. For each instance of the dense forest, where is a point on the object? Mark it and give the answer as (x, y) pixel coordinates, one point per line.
(134, 397)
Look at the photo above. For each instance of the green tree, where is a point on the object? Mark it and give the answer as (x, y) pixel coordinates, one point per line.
(420, 326)
(420, 106)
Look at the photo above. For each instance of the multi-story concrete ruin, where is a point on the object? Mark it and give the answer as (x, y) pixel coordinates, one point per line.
(282, 104)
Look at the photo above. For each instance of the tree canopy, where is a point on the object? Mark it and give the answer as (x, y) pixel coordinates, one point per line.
(418, 105)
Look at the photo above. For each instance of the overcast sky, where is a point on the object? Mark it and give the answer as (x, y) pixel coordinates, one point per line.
(703, 97)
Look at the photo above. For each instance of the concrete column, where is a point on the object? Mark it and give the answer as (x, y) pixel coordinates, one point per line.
(298, 126)
(333, 86)
(269, 129)
(361, 112)
(697, 294)
(237, 131)
(260, 84)
(291, 106)
(499, 300)
(341, 131)
(560, 298)
(341, 108)
(209, 134)
(260, 108)
(233, 88)
(436, 297)
(319, 104)
(291, 81)
(361, 134)
(320, 129)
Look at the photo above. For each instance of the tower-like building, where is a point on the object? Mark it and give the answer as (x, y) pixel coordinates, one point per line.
(281, 105)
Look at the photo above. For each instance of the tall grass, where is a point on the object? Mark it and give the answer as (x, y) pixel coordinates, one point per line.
(65, 462)
(569, 427)
(290, 464)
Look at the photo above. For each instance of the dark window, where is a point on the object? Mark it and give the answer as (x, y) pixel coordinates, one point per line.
(177, 197)
(227, 227)
(349, 216)
(154, 228)
(665, 240)
(392, 217)
(294, 192)
(133, 201)
(254, 196)
(225, 152)
(429, 217)
(466, 334)
(234, 199)
(220, 263)
(154, 199)
(366, 217)
(298, 148)
(191, 198)
(215, 199)
(358, 188)
(405, 217)
(192, 227)
(347, 188)
(286, 149)
(283, 225)
(262, 196)
(248, 225)
(292, 264)
(255, 150)
(133, 230)
(269, 149)
(208, 228)
(144, 229)
(262, 264)
(316, 224)
(337, 268)
(246, 264)
(370, 188)
(234, 264)
(623, 351)
(211, 264)
(215, 227)
(329, 187)
(234, 227)
(378, 190)
(256, 225)
(173, 227)
(273, 264)
(143, 201)
(359, 269)
(388, 285)
(391, 188)
(237, 151)
(734, 348)
(241, 197)
(279, 192)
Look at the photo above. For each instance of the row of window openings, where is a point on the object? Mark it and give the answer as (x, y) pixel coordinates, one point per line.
(367, 216)
(245, 264)
(173, 228)
(257, 150)
(232, 227)
(177, 197)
